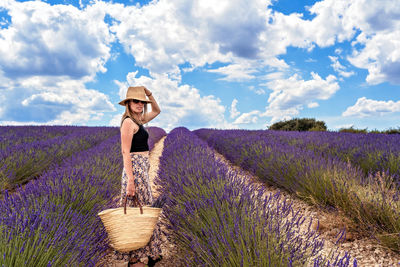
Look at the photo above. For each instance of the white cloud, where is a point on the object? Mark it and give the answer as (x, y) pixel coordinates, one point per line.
(257, 90)
(164, 34)
(167, 33)
(115, 120)
(312, 105)
(372, 108)
(56, 40)
(290, 95)
(380, 56)
(275, 63)
(375, 23)
(74, 117)
(329, 25)
(79, 97)
(338, 51)
(377, 46)
(248, 118)
(53, 101)
(236, 72)
(47, 54)
(339, 68)
(236, 26)
(234, 112)
(325, 29)
(308, 60)
(275, 75)
(180, 104)
(280, 115)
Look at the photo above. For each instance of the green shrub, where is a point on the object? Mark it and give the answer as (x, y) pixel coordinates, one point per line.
(352, 130)
(376, 131)
(297, 124)
(392, 131)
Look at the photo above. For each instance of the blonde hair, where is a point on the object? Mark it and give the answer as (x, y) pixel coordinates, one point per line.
(128, 113)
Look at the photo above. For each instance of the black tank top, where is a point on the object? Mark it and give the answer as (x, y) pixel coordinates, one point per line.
(139, 140)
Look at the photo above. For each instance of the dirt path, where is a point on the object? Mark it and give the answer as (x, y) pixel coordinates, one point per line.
(168, 250)
(154, 159)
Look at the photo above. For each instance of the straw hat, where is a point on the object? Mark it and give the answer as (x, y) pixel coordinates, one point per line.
(136, 92)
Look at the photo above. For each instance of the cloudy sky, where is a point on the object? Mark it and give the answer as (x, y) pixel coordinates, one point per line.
(215, 64)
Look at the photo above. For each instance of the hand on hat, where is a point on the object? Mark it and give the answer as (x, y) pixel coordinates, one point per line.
(147, 92)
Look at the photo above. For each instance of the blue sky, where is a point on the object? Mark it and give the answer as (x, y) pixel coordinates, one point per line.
(214, 64)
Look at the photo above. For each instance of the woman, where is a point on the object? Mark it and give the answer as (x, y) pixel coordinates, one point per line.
(135, 153)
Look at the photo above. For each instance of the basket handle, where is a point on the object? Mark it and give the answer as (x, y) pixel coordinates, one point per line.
(135, 201)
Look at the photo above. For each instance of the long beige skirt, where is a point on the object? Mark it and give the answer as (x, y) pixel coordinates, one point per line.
(140, 167)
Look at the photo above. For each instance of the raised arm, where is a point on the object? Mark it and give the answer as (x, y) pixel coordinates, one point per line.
(155, 109)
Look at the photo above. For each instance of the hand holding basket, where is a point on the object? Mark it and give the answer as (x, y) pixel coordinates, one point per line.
(130, 228)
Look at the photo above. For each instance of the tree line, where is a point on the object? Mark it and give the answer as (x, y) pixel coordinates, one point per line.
(311, 124)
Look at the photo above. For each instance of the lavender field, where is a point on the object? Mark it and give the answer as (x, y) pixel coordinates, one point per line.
(49, 217)
(28, 151)
(54, 181)
(358, 174)
(216, 219)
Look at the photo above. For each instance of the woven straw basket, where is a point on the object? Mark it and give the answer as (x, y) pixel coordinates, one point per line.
(129, 228)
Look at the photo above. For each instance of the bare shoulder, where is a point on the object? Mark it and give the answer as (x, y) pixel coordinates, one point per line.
(128, 126)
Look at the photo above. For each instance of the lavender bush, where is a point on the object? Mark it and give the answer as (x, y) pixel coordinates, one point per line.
(318, 177)
(371, 152)
(53, 220)
(20, 163)
(217, 219)
(15, 135)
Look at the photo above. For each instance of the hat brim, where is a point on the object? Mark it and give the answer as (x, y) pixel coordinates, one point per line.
(122, 103)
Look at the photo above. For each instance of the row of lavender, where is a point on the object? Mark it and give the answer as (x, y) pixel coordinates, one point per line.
(14, 135)
(318, 174)
(52, 221)
(217, 219)
(29, 154)
(371, 152)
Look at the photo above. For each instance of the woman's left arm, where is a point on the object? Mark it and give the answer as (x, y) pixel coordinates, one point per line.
(155, 109)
